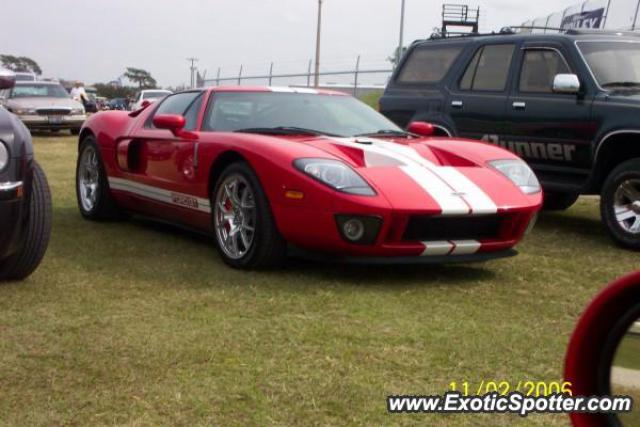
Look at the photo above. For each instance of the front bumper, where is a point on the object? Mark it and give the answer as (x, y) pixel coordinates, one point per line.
(35, 121)
(393, 241)
(10, 191)
(12, 214)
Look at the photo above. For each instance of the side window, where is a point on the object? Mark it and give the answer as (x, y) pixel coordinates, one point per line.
(539, 68)
(489, 69)
(191, 115)
(428, 64)
(176, 104)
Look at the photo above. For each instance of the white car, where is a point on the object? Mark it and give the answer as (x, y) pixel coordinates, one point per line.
(150, 95)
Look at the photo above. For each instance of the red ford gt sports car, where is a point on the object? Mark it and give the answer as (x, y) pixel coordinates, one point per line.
(264, 169)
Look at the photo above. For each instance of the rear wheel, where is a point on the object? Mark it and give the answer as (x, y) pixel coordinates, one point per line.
(620, 204)
(38, 231)
(246, 233)
(92, 184)
(558, 201)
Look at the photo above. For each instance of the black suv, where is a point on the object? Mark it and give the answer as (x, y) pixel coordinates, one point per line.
(568, 103)
(25, 200)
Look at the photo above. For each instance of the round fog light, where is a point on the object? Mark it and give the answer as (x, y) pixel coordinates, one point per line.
(353, 229)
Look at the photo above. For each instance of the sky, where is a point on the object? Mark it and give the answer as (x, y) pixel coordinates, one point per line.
(95, 40)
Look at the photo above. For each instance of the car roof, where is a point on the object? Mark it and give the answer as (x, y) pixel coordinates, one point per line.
(510, 36)
(276, 89)
(39, 82)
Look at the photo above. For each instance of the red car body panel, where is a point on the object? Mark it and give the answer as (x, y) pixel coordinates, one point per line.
(172, 179)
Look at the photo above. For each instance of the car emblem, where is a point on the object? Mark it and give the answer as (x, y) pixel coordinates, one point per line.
(458, 194)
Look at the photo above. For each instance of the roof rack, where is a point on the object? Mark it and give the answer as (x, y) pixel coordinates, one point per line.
(442, 35)
(459, 15)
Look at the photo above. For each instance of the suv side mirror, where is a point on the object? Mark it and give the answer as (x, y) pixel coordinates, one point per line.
(566, 83)
(421, 128)
(7, 79)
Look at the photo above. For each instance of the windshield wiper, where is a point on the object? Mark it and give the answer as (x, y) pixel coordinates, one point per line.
(386, 132)
(285, 130)
(622, 84)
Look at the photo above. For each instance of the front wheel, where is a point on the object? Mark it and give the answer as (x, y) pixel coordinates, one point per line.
(38, 231)
(245, 230)
(620, 204)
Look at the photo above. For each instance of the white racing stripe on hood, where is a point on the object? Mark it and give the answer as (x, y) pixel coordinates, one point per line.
(454, 192)
(438, 189)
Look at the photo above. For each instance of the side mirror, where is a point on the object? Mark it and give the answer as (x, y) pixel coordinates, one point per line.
(173, 122)
(7, 79)
(566, 83)
(603, 356)
(421, 128)
(145, 103)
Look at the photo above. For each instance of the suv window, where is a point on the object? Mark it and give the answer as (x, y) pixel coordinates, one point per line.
(539, 68)
(428, 64)
(185, 104)
(489, 68)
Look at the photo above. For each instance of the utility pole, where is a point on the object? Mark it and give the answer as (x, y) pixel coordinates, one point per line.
(401, 44)
(317, 74)
(193, 70)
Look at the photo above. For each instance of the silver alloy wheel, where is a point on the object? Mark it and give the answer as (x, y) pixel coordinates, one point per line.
(626, 205)
(235, 216)
(88, 178)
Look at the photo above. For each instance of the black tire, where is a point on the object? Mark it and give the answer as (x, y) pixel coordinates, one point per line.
(38, 232)
(624, 173)
(559, 201)
(268, 249)
(75, 131)
(104, 208)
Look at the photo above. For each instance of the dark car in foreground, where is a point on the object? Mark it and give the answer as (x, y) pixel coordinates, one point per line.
(568, 103)
(25, 200)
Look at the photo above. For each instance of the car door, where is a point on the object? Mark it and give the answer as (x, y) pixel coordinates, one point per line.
(551, 131)
(478, 98)
(165, 164)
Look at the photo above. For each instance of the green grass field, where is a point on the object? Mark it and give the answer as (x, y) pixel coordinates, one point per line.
(136, 324)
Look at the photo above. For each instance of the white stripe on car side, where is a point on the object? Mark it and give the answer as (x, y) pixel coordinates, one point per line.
(161, 195)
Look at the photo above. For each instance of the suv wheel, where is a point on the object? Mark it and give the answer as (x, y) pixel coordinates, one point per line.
(620, 204)
(558, 201)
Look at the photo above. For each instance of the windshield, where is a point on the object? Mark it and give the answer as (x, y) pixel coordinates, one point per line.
(330, 114)
(38, 91)
(146, 95)
(614, 64)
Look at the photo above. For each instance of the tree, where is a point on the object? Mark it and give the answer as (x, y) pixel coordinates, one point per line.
(111, 91)
(20, 63)
(395, 58)
(142, 77)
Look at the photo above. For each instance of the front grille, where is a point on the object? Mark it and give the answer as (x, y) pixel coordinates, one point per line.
(431, 228)
(53, 111)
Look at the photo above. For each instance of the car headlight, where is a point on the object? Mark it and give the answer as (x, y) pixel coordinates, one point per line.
(77, 111)
(519, 173)
(336, 175)
(24, 111)
(4, 156)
